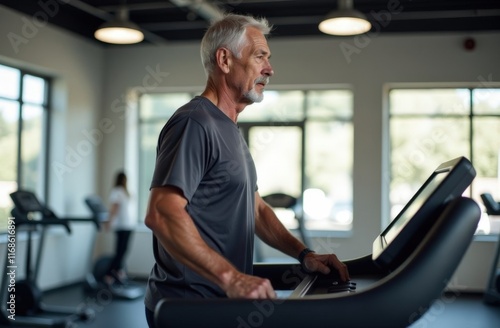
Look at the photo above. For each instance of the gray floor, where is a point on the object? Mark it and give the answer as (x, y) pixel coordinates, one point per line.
(454, 311)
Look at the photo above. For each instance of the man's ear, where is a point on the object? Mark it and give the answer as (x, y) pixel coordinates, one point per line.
(224, 59)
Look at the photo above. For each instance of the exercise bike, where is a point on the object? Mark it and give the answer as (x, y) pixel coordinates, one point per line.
(94, 281)
(24, 297)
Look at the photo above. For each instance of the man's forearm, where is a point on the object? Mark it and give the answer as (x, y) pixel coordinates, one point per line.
(271, 231)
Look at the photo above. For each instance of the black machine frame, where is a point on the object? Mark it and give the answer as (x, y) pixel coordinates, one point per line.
(419, 279)
(492, 294)
(448, 181)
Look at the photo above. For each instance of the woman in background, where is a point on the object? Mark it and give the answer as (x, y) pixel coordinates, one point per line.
(122, 223)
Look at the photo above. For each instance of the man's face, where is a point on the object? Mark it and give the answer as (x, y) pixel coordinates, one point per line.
(252, 71)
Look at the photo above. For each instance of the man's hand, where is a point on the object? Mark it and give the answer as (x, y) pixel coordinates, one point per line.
(324, 262)
(245, 286)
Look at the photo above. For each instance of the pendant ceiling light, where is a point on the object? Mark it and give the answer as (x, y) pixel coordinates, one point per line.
(119, 30)
(345, 21)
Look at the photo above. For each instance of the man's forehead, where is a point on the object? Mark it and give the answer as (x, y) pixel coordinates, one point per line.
(257, 40)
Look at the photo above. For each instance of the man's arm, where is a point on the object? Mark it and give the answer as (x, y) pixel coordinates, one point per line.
(271, 231)
(173, 226)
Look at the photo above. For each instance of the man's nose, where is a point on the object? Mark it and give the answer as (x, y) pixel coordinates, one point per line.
(268, 71)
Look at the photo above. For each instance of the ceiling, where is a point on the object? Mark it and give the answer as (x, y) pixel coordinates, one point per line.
(183, 20)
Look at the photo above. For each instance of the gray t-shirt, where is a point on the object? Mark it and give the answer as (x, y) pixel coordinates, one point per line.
(202, 152)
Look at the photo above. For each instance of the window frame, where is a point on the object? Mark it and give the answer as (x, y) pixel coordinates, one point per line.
(469, 116)
(43, 187)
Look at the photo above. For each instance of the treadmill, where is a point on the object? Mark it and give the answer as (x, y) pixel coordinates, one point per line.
(409, 267)
(24, 299)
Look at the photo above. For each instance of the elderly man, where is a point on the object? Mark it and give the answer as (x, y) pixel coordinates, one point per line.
(204, 207)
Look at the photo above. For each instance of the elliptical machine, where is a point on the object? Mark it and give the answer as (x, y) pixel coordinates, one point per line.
(94, 281)
(24, 298)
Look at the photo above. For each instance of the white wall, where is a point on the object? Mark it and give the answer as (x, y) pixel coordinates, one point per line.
(93, 82)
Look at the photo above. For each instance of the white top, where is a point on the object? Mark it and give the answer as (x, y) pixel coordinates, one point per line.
(122, 220)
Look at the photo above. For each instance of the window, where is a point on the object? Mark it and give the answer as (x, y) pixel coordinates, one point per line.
(301, 142)
(23, 112)
(430, 126)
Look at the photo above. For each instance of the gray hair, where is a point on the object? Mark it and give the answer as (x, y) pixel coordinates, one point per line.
(228, 32)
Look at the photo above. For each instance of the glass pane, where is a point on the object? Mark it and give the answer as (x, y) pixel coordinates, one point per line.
(328, 190)
(486, 101)
(429, 101)
(32, 155)
(418, 146)
(34, 90)
(277, 106)
(9, 82)
(161, 105)
(329, 104)
(9, 111)
(277, 155)
(9, 117)
(487, 164)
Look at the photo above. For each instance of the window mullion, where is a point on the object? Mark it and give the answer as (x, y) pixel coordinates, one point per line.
(20, 133)
(471, 127)
(46, 141)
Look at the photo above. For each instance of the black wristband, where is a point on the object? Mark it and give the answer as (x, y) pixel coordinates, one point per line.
(303, 254)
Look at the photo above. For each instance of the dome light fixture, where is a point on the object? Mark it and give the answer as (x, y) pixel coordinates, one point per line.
(345, 21)
(119, 30)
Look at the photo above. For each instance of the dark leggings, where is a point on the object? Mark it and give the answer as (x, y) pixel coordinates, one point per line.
(150, 317)
(122, 241)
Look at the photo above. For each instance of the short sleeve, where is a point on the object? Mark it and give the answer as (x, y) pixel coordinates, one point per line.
(181, 156)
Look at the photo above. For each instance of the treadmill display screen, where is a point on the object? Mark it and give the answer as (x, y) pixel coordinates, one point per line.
(405, 216)
(405, 232)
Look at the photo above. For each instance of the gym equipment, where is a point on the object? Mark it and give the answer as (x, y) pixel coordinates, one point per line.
(94, 280)
(28, 310)
(492, 293)
(381, 299)
(391, 287)
(492, 206)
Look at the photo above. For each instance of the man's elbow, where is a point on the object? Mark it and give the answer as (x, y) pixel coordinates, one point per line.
(151, 220)
(152, 217)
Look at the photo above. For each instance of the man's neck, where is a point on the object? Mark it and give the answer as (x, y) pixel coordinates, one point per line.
(225, 100)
